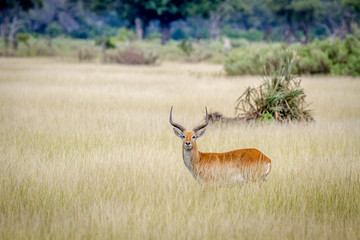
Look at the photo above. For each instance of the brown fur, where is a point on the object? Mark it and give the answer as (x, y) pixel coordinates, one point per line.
(251, 164)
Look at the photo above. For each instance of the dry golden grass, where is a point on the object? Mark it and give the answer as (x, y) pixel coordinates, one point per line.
(86, 151)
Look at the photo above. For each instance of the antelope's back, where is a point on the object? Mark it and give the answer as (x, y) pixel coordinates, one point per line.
(249, 164)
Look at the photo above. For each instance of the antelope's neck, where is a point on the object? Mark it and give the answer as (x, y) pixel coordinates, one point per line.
(191, 158)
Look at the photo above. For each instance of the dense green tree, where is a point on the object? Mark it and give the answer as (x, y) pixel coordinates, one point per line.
(353, 4)
(256, 15)
(10, 11)
(165, 11)
(295, 15)
(349, 7)
(336, 16)
(295, 20)
(305, 14)
(219, 11)
(140, 13)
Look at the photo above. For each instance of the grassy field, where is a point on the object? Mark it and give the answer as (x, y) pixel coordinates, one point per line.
(87, 152)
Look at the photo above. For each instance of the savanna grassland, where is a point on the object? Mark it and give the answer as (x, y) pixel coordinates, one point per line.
(87, 152)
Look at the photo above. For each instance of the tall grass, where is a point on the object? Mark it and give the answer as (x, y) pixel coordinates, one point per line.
(86, 151)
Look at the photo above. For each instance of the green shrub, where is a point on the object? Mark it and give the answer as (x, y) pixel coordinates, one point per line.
(131, 55)
(22, 37)
(53, 29)
(333, 57)
(125, 35)
(107, 43)
(186, 47)
(239, 42)
(153, 36)
(252, 60)
(230, 32)
(314, 61)
(252, 35)
(280, 97)
(239, 63)
(179, 34)
(86, 54)
(352, 44)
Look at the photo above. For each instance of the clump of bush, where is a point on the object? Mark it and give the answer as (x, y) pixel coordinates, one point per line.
(124, 35)
(194, 53)
(239, 42)
(328, 56)
(132, 55)
(252, 35)
(86, 54)
(333, 57)
(106, 42)
(280, 97)
(186, 47)
(251, 60)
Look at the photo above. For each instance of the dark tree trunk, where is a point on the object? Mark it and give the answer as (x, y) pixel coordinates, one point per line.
(13, 29)
(15, 44)
(139, 28)
(289, 33)
(49, 43)
(28, 48)
(5, 26)
(4, 33)
(165, 32)
(345, 27)
(305, 27)
(267, 32)
(214, 29)
(6, 43)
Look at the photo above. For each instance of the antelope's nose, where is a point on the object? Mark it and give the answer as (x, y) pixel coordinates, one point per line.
(187, 143)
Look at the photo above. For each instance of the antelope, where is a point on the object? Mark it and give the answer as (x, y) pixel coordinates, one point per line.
(239, 165)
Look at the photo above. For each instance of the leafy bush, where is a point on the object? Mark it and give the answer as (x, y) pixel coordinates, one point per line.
(230, 32)
(252, 60)
(125, 35)
(333, 57)
(107, 43)
(53, 29)
(239, 42)
(279, 97)
(153, 36)
(81, 33)
(131, 55)
(179, 34)
(251, 35)
(24, 38)
(186, 47)
(195, 52)
(86, 54)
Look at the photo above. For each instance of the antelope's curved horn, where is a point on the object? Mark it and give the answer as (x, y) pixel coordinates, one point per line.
(175, 124)
(202, 125)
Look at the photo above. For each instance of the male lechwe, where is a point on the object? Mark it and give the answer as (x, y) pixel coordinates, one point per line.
(237, 165)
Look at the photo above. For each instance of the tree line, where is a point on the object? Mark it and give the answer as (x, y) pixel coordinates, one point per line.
(291, 20)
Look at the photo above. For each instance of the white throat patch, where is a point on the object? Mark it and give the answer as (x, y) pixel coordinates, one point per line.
(187, 160)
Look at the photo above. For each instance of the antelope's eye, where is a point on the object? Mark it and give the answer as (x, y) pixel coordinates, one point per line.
(193, 137)
(183, 136)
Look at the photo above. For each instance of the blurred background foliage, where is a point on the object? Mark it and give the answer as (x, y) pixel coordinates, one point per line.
(243, 35)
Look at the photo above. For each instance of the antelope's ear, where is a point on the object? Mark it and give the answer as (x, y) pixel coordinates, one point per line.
(178, 133)
(200, 132)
